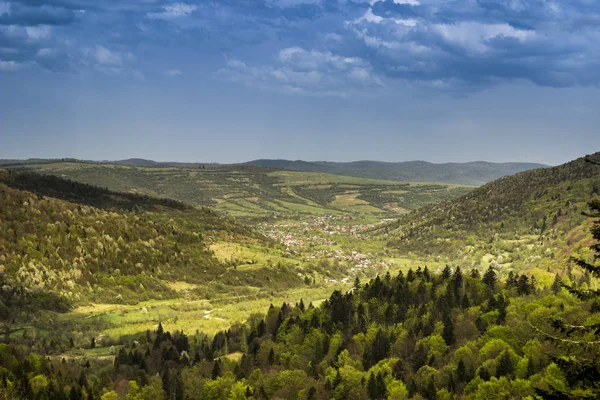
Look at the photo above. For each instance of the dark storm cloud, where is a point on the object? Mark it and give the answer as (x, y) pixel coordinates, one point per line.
(455, 45)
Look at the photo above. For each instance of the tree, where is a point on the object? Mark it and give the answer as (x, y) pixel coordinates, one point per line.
(582, 372)
(447, 272)
(461, 371)
(448, 330)
(216, 371)
(112, 395)
(271, 357)
(505, 365)
(490, 278)
(372, 387)
(557, 284)
(523, 286)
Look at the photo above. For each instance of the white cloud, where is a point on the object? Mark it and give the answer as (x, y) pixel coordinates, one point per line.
(299, 71)
(302, 59)
(174, 10)
(473, 35)
(38, 32)
(110, 61)
(106, 57)
(7, 66)
(333, 37)
(173, 72)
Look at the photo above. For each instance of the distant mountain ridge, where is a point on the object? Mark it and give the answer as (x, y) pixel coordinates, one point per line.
(469, 173)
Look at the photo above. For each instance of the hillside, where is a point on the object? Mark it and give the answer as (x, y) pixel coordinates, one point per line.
(141, 162)
(89, 244)
(254, 192)
(517, 222)
(415, 335)
(470, 173)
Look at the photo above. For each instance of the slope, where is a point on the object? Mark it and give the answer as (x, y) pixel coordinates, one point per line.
(471, 173)
(515, 222)
(256, 192)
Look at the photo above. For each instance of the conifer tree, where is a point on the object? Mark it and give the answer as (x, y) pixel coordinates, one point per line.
(216, 371)
(490, 278)
(583, 373)
(448, 330)
(505, 365)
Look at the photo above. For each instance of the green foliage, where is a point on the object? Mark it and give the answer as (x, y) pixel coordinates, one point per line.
(580, 367)
(515, 223)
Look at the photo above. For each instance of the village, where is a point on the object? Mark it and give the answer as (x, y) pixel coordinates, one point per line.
(332, 238)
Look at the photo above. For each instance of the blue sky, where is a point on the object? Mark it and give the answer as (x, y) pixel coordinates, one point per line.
(234, 80)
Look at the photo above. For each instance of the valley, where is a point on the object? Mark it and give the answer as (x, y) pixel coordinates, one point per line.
(109, 254)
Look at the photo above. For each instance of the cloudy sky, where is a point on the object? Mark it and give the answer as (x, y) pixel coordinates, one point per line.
(234, 80)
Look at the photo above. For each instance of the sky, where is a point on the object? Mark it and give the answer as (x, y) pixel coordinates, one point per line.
(337, 80)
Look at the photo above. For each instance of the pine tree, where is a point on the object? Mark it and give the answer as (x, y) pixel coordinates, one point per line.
(505, 365)
(447, 272)
(557, 284)
(372, 387)
(426, 274)
(530, 368)
(419, 357)
(490, 278)
(461, 371)
(448, 330)
(271, 358)
(430, 391)
(511, 281)
(523, 286)
(582, 373)
(216, 371)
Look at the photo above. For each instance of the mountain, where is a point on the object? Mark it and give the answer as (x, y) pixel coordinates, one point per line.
(470, 173)
(141, 162)
(517, 221)
(256, 192)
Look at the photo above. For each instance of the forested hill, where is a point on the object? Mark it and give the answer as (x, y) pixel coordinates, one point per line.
(417, 335)
(470, 173)
(515, 220)
(84, 243)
